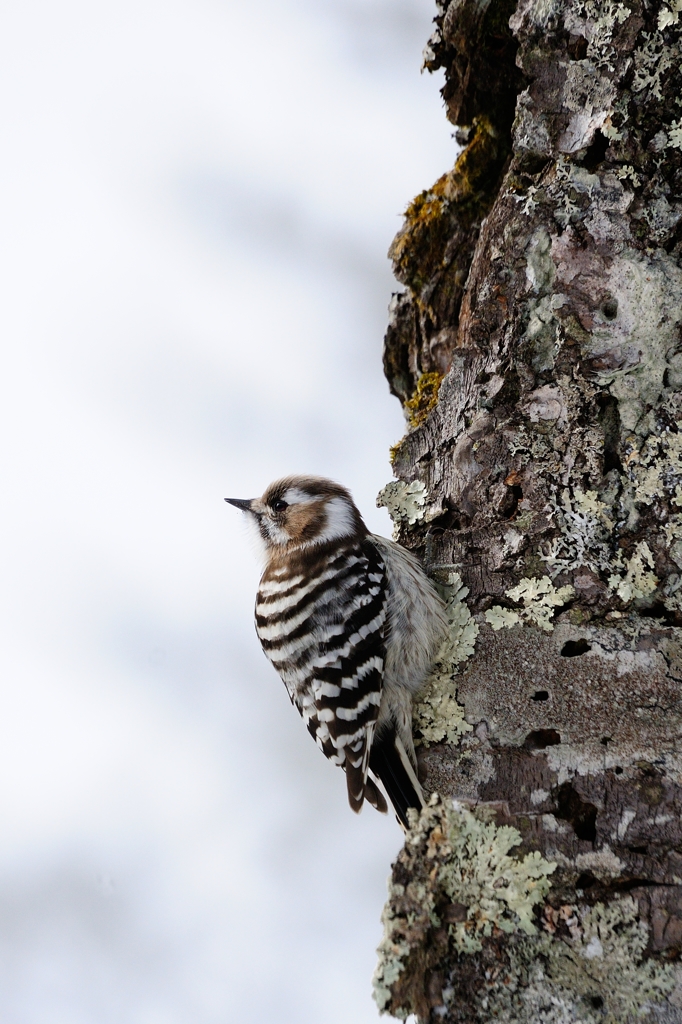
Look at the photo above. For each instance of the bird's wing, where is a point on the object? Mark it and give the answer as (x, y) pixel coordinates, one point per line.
(348, 674)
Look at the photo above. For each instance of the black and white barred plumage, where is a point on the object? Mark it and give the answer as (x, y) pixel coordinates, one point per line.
(352, 624)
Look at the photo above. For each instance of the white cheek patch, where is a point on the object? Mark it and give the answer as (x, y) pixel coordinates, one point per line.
(340, 521)
(276, 534)
(294, 496)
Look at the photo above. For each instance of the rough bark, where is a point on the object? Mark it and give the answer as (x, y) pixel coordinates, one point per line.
(536, 349)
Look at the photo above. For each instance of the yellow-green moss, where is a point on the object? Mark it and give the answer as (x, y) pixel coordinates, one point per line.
(429, 204)
(424, 399)
(394, 451)
(462, 194)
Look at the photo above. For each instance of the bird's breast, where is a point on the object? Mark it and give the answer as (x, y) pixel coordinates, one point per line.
(306, 617)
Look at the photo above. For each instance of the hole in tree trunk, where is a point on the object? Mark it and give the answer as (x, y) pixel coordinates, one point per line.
(659, 611)
(580, 814)
(541, 738)
(540, 695)
(596, 152)
(577, 47)
(516, 495)
(610, 423)
(572, 648)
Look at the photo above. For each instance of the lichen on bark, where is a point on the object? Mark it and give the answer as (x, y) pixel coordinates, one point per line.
(537, 352)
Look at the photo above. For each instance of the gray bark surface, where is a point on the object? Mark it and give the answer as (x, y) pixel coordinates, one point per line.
(537, 351)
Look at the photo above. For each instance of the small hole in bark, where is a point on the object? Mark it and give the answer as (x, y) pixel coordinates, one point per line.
(572, 648)
(605, 740)
(532, 163)
(541, 738)
(610, 422)
(610, 308)
(577, 47)
(516, 495)
(656, 610)
(581, 815)
(659, 611)
(637, 849)
(585, 881)
(540, 695)
(597, 1002)
(596, 152)
(618, 770)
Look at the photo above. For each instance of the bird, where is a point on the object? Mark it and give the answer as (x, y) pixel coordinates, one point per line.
(352, 624)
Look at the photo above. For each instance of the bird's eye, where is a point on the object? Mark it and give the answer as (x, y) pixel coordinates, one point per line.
(278, 505)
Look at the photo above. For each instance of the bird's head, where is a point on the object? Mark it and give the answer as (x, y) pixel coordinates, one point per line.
(302, 511)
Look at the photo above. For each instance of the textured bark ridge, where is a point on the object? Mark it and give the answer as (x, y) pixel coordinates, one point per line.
(538, 355)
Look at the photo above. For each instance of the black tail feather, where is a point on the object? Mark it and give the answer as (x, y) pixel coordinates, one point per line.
(387, 761)
(374, 796)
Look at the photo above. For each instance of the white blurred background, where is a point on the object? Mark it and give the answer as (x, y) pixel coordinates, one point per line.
(195, 204)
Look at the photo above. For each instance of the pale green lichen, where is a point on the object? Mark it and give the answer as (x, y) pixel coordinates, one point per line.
(498, 891)
(638, 581)
(540, 600)
(675, 135)
(634, 344)
(597, 20)
(588, 501)
(669, 14)
(652, 472)
(451, 854)
(595, 973)
(652, 62)
(571, 181)
(585, 965)
(672, 588)
(541, 335)
(673, 536)
(656, 468)
(585, 533)
(405, 502)
(501, 618)
(396, 943)
(628, 173)
(438, 716)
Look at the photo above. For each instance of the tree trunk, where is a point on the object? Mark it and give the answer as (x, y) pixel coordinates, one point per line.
(537, 352)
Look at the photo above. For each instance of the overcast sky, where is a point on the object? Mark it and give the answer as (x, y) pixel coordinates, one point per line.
(196, 201)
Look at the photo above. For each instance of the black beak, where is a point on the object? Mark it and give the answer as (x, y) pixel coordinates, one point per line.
(243, 503)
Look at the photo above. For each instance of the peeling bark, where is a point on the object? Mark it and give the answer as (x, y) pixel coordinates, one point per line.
(536, 349)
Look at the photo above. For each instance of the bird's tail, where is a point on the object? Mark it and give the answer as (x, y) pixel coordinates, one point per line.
(390, 763)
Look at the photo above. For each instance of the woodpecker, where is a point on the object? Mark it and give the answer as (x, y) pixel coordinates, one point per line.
(352, 625)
